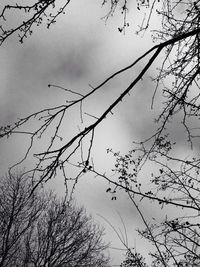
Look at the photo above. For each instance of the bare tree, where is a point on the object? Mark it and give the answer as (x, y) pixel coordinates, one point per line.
(174, 179)
(41, 230)
(18, 213)
(66, 236)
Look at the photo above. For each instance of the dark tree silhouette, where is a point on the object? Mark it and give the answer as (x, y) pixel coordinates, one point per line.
(42, 230)
(173, 178)
(18, 213)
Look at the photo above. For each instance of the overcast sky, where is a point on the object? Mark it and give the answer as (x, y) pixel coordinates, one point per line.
(80, 50)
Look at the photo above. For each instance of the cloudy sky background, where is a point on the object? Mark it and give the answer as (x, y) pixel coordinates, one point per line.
(80, 50)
